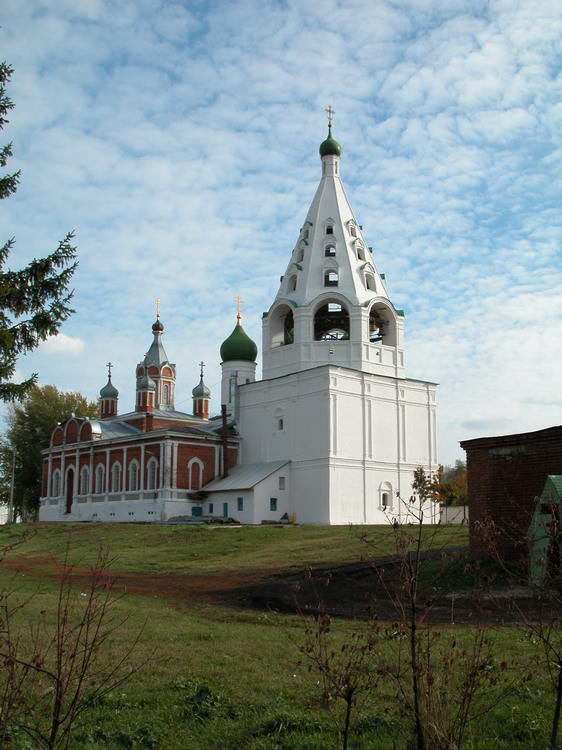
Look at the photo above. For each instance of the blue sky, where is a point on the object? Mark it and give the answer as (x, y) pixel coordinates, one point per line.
(180, 141)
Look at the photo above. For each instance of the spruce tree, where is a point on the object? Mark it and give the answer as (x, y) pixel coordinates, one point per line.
(33, 300)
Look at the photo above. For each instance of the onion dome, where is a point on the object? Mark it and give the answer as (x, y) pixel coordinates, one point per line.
(109, 390)
(157, 326)
(330, 147)
(201, 390)
(238, 346)
(146, 383)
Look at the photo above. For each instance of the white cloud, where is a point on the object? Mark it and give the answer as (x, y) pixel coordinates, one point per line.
(62, 344)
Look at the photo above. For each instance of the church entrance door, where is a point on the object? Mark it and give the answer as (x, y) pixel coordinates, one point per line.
(69, 489)
(225, 510)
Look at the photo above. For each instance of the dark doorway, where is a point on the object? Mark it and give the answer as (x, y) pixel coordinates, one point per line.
(69, 489)
(225, 510)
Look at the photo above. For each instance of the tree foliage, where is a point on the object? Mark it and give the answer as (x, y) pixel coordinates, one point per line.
(453, 487)
(34, 301)
(30, 424)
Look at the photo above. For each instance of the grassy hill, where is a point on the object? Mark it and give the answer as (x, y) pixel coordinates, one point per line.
(221, 676)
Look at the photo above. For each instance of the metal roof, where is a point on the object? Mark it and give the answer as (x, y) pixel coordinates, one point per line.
(117, 429)
(244, 477)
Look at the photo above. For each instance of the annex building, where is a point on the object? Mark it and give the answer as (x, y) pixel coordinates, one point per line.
(330, 434)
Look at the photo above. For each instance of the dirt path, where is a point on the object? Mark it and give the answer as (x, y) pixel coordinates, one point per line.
(352, 591)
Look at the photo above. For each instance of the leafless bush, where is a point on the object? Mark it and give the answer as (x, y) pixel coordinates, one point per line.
(57, 665)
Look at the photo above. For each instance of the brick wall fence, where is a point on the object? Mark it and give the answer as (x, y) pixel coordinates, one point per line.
(505, 476)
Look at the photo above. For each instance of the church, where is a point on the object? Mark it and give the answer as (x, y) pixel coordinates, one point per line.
(330, 434)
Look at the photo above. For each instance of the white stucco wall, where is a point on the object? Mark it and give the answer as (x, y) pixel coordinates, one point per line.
(346, 433)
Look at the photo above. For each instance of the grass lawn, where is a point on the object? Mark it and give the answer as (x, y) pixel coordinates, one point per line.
(224, 678)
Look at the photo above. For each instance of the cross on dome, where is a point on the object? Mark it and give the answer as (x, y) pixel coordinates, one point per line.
(109, 366)
(238, 300)
(157, 302)
(201, 365)
(330, 112)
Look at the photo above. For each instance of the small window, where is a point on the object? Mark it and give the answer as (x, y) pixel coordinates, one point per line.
(329, 229)
(84, 480)
(385, 502)
(330, 251)
(116, 477)
(281, 483)
(331, 278)
(305, 234)
(133, 476)
(370, 282)
(210, 509)
(166, 394)
(360, 252)
(273, 503)
(280, 424)
(56, 483)
(152, 470)
(300, 255)
(292, 283)
(100, 479)
(240, 503)
(353, 230)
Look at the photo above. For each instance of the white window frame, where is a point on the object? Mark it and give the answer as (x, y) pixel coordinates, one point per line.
(152, 474)
(195, 462)
(56, 484)
(134, 465)
(100, 480)
(116, 470)
(84, 480)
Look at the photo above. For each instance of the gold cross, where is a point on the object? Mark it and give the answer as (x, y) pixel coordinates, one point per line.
(330, 112)
(238, 300)
(109, 366)
(157, 309)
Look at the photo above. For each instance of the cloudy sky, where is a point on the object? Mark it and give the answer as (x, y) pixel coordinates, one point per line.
(180, 141)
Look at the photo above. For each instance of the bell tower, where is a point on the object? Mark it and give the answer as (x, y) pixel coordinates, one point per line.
(333, 304)
(156, 371)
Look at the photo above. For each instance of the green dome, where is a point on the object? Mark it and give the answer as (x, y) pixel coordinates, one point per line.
(239, 346)
(330, 147)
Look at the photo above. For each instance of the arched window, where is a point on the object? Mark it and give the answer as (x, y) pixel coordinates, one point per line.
(300, 255)
(292, 283)
(84, 480)
(329, 251)
(329, 228)
(360, 250)
(100, 479)
(134, 476)
(385, 496)
(352, 229)
(56, 484)
(331, 322)
(331, 277)
(152, 470)
(116, 477)
(166, 396)
(281, 326)
(370, 282)
(382, 325)
(195, 474)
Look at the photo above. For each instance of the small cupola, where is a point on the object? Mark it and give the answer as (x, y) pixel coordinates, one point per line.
(108, 396)
(330, 147)
(238, 362)
(201, 396)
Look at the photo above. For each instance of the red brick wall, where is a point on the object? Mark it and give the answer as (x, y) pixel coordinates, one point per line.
(505, 476)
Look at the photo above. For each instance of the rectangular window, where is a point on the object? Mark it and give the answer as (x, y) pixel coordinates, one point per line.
(240, 501)
(280, 424)
(210, 509)
(273, 503)
(281, 483)
(329, 230)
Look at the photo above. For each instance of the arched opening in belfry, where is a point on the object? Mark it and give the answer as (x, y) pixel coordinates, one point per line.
(382, 325)
(282, 326)
(331, 322)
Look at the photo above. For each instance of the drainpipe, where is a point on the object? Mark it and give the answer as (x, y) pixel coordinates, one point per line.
(224, 442)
